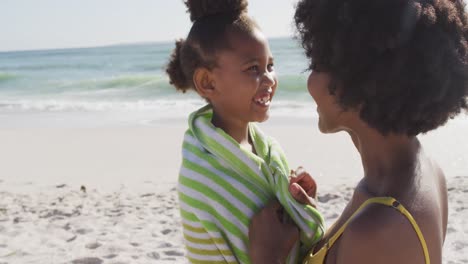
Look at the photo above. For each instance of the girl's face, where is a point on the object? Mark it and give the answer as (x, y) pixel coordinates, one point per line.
(330, 114)
(245, 79)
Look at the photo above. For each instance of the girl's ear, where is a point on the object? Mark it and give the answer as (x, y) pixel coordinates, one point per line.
(203, 80)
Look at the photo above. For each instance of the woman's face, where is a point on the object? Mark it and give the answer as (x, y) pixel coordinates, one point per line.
(329, 112)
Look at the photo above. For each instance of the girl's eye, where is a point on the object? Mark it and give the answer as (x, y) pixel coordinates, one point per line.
(253, 68)
(270, 67)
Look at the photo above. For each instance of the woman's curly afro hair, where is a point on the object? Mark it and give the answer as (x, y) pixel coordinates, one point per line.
(211, 20)
(402, 63)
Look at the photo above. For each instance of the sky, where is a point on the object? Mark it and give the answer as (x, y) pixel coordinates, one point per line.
(52, 24)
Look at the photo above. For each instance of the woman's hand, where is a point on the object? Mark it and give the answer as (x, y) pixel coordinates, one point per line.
(303, 187)
(270, 239)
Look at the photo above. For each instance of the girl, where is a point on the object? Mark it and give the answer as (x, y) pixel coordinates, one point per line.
(230, 169)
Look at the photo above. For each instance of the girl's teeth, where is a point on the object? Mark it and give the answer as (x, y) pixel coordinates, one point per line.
(265, 100)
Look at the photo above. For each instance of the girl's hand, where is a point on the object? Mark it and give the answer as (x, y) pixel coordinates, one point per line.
(303, 187)
(270, 240)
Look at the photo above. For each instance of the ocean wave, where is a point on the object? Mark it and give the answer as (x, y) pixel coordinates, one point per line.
(43, 67)
(50, 105)
(4, 76)
(133, 81)
(289, 83)
(292, 83)
(149, 67)
(133, 86)
(145, 85)
(166, 107)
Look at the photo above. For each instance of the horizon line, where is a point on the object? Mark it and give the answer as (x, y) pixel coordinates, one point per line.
(111, 45)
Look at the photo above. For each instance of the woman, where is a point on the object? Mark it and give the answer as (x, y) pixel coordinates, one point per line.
(383, 71)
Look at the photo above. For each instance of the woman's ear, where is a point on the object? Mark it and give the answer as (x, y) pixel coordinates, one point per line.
(203, 80)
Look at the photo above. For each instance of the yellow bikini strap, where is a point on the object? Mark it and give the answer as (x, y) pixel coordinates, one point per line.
(392, 202)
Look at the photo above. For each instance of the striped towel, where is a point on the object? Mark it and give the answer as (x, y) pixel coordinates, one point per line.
(221, 186)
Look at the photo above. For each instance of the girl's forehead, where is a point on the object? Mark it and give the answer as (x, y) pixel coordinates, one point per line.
(251, 36)
(248, 45)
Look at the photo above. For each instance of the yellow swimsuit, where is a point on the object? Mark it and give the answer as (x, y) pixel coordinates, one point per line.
(319, 256)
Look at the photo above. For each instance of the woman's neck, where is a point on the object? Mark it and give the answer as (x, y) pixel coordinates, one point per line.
(238, 130)
(390, 162)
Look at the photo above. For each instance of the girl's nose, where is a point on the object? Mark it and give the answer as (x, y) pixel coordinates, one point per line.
(269, 78)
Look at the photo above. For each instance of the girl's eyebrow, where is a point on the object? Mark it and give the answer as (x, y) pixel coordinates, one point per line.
(250, 61)
(270, 58)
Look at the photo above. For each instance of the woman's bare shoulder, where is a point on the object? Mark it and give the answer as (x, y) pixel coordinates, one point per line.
(379, 234)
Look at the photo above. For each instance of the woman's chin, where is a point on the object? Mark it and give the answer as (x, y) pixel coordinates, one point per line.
(321, 126)
(323, 131)
(324, 128)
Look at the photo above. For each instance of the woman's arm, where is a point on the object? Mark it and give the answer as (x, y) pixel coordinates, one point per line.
(270, 239)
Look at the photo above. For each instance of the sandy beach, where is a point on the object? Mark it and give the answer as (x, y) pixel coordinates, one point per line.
(107, 194)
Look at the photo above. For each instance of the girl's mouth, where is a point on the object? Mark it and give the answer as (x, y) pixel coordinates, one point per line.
(263, 99)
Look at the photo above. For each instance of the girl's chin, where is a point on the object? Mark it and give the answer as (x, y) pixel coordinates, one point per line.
(262, 119)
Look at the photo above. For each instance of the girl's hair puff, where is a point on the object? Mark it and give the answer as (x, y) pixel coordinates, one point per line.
(199, 9)
(211, 21)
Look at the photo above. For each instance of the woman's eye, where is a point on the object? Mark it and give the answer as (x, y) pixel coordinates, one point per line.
(314, 67)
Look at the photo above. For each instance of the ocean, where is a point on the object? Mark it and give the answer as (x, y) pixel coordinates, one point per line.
(121, 85)
(126, 86)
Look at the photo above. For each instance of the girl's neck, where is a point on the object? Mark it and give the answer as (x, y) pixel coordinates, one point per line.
(390, 162)
(238, 130)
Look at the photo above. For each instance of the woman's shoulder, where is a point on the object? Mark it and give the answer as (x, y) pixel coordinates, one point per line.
(380, 234)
